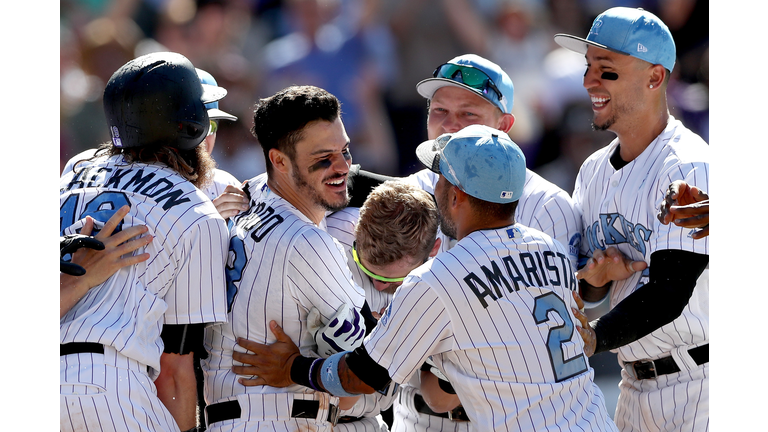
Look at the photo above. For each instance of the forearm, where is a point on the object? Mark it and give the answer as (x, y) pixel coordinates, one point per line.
(71, 290)
(438, 400)
(177, 388)
(673, 276)
(591, 293)
(354, 372)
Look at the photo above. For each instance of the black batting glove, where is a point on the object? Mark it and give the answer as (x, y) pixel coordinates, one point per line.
(69, 244)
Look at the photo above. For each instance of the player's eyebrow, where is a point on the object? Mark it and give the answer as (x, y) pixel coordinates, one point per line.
(321, 152)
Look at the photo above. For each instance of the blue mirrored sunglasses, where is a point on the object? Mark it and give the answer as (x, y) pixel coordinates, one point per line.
(471, 77)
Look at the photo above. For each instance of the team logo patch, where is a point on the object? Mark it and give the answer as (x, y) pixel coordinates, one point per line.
(513, 232)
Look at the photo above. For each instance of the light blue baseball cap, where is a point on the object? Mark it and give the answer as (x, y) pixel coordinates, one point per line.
(214, 113)
(480, 160)
(476, 74)
(627, 31)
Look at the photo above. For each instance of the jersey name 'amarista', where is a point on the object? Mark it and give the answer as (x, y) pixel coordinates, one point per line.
(495, 315)
(183, 280)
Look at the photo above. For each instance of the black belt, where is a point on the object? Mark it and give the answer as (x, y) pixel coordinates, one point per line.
(301, 409)
(651, 369)
(456, 414)
(81, 347)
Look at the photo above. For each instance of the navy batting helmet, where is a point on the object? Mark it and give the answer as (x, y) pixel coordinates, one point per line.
(158, 99)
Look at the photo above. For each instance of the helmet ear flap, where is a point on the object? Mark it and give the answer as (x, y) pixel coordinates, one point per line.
(156, 99)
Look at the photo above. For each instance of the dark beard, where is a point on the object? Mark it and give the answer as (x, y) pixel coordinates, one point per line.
(447, 226)
(302, 184)
(603, 127)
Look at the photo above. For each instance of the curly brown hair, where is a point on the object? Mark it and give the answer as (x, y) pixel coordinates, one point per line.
(397, 220)
(195, 165)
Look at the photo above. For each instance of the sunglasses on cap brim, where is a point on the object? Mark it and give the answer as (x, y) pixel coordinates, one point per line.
(471, 77)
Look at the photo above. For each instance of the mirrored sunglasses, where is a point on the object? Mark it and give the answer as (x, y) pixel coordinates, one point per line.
(471, 77)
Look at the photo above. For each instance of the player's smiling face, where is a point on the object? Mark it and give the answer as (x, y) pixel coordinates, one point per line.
(613, 100)
(322, 163)
(451, 109)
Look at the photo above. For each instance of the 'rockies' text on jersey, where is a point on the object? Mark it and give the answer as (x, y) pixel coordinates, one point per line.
(513, 356)
(280, 265)
(183, 280)
(619, 209)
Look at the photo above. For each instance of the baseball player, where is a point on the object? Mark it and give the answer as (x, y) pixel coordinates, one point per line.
(127, 345)
(467, 90)
(494, 310)
(393, 233)
(635, 258)
(282, 263)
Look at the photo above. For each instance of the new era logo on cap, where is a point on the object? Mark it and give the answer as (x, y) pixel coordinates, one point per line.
(641, 48)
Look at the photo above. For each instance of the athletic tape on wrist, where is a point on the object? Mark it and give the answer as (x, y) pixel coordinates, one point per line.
(329, 376)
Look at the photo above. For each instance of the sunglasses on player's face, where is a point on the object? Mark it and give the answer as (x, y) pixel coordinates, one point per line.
(371, 274)
(471, 77)
(214, 127)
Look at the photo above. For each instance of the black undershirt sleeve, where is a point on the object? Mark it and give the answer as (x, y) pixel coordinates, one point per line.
(360, 183)
(370, 320)
(672, 278)
(365, 368)
(184, 339)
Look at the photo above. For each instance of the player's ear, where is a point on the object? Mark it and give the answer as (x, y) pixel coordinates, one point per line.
(506, 122)
(657, 75)
(279, 160)
(435, 248)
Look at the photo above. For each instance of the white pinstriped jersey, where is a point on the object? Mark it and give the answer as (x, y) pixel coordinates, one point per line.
(542, 205)
(619, 209)
(280, 265)
(182, 282)
(221, 179)
(494, 312)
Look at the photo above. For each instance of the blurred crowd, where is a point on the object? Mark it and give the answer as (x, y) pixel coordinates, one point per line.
(370, 54)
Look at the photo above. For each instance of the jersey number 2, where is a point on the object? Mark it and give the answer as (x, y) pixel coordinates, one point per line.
(563, 369)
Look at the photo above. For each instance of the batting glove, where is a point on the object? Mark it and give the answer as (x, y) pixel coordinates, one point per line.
(69, 244)
(344, 332)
